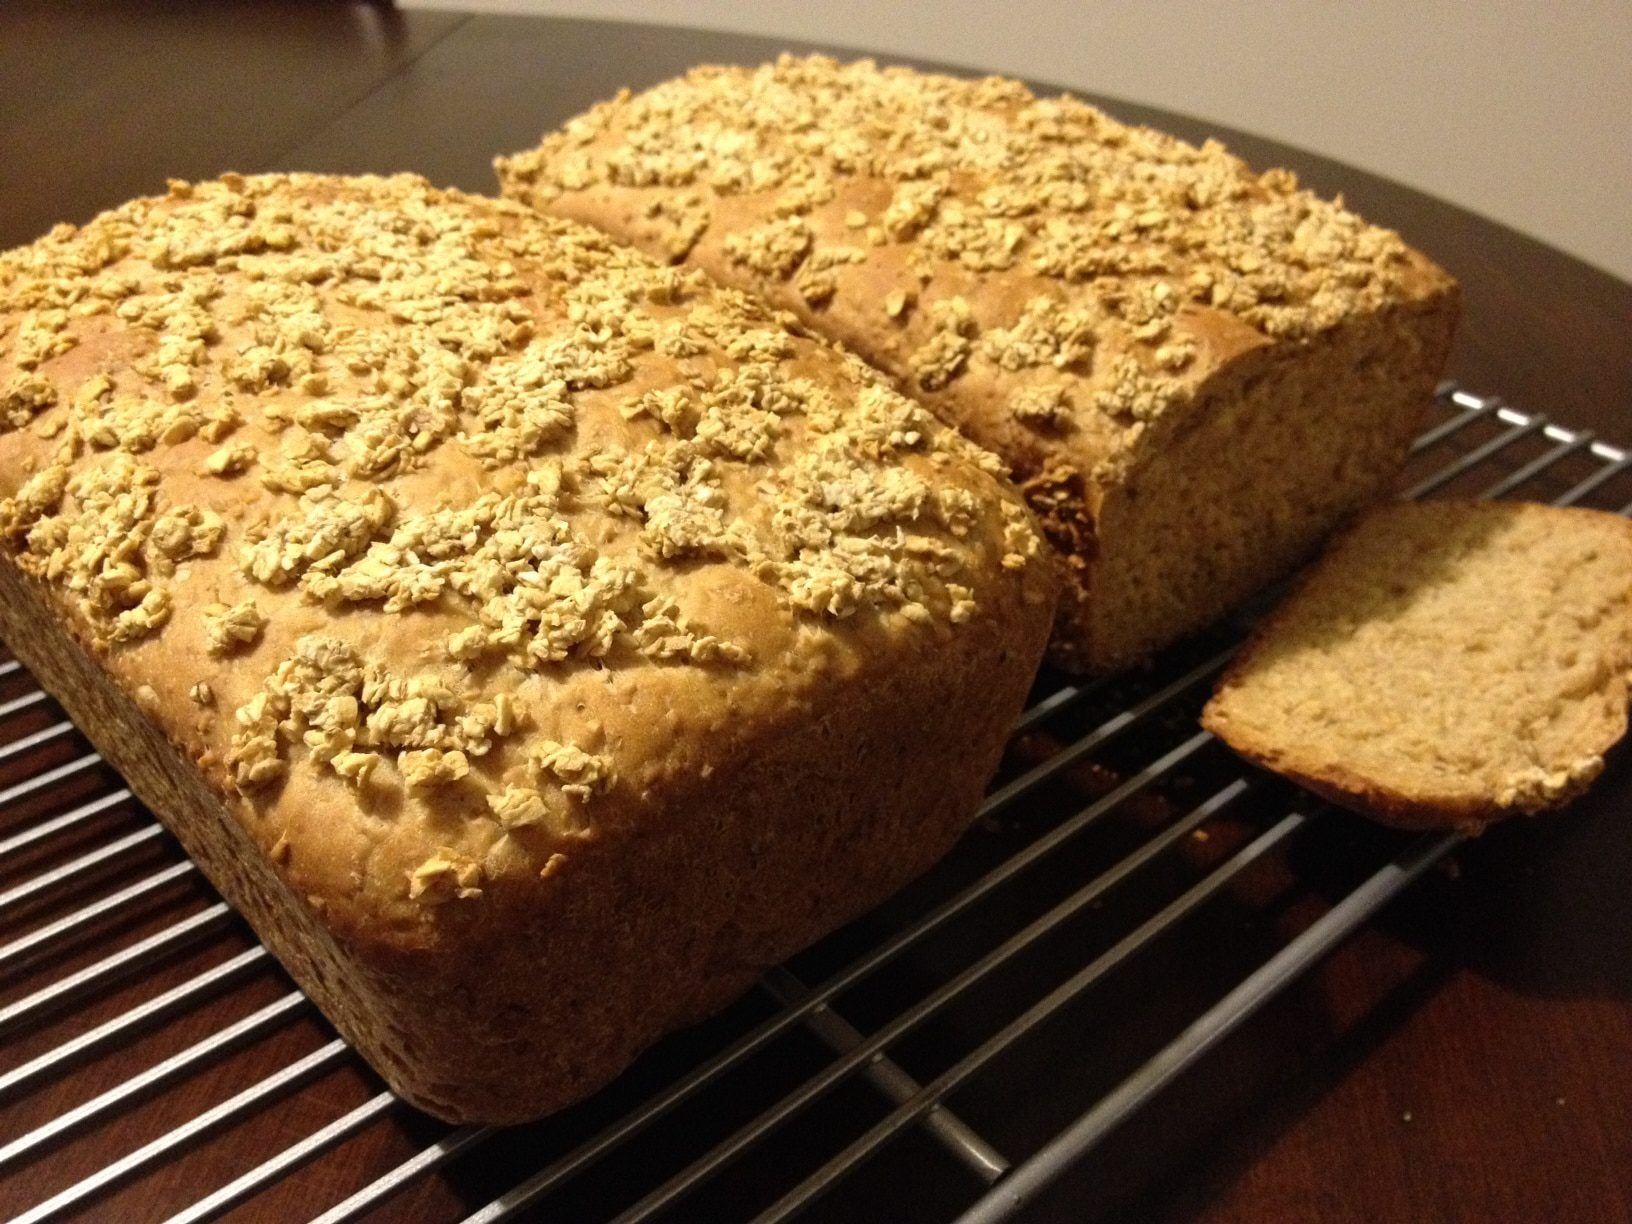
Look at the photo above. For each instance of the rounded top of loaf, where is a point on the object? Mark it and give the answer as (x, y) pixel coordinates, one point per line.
(445, 537)
(1020, 238)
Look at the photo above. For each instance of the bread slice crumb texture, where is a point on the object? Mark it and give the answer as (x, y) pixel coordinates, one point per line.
(1445, 664)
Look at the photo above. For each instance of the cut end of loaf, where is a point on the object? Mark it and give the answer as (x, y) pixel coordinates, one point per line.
(1281, 448)
(1445, 664)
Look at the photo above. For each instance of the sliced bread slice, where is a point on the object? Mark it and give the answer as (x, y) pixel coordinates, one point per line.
(1445, 664)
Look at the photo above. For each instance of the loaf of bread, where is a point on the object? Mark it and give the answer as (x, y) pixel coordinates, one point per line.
(1445, 664)
(533, 641)
(1193, 371)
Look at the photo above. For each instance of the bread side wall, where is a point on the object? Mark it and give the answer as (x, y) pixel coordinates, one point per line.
(343, 986)
(537, 995)
(826, 817)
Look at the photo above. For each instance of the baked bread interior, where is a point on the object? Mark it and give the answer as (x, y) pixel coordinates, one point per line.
(1445, 664)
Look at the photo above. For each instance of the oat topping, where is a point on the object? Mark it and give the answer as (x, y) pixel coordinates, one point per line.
(132, 423)
(230, 628)
(519, 415)
(1133, 393)
(559, 779)
(817, 279)
(942, 356)
(446, 876)
(344, 710)
(184, 532)
(1127, 226)
(664, 633)
(1046, 407)
(516, 807)
(1177, 354)
(355, 767)
(24, 396)
(687, 216)
(775, 249)
(302, 409)
(321, 536)
(42, 335)
(228, 460)
(89, 530)
(579, 774)
(422, 767)
(1047, 333)
(910, 209)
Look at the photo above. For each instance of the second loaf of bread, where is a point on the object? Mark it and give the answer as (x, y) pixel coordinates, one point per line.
(533, 641)
(1194, 371)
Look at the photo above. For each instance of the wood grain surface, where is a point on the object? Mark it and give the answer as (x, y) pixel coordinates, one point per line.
(1464, 1058)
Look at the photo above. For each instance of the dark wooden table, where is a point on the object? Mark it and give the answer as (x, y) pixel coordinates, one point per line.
(1474, 1056)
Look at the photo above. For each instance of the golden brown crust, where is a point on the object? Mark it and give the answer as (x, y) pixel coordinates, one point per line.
(1073, 293)
(468, 557)
(1444, 665)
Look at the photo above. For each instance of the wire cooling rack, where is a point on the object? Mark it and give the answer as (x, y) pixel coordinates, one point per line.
(1129, 897)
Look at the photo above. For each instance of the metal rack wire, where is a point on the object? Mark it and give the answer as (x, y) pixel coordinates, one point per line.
(959, 1050)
